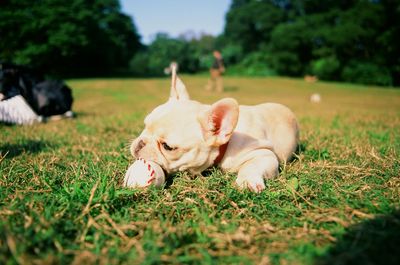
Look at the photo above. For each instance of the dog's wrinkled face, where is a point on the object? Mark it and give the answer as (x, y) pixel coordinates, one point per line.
(183, 134)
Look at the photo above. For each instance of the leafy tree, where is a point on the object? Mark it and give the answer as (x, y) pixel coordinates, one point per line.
(250, 23)
(389, 38)
(160, 53)
(289, 48)
(192, 55)
(67, 37)
(201, 50)
(366, 73)
(350, 40)
(326, 68)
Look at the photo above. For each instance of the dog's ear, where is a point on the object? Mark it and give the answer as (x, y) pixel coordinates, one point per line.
(219, 121)
(178, 89)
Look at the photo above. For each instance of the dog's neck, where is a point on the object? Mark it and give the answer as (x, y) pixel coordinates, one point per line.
(221, 153)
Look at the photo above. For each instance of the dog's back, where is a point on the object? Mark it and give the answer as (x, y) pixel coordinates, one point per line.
(52, 97)
(272, 122)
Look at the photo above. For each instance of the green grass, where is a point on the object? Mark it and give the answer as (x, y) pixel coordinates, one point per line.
(61, 199)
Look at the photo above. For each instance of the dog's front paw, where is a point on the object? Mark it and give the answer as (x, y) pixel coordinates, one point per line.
(255, 184)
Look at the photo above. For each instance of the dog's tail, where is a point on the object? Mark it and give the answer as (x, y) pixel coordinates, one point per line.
(173, 74)
(178, 89)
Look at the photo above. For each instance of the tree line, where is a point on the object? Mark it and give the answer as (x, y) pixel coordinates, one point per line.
(340, 40)
(69, 38)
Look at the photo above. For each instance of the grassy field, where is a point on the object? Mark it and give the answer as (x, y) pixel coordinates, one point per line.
(61, 199)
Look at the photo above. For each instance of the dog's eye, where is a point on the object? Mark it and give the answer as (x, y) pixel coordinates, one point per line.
(167, 147)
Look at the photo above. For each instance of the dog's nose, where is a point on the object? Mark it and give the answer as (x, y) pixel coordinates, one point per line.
(139, 147)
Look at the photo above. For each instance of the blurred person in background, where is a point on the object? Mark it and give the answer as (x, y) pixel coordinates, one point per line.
(216, 71)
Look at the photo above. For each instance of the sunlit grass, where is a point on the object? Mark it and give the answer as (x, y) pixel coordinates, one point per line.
(61, 199)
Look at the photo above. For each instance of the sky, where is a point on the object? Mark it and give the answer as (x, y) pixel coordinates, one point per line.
(176, 16)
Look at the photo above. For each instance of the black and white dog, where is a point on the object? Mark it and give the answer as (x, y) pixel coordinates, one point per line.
(46, 97)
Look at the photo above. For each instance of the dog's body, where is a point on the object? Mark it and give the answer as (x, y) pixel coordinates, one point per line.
(185, 135)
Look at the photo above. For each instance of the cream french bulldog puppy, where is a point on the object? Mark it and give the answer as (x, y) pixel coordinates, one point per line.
(185, 135)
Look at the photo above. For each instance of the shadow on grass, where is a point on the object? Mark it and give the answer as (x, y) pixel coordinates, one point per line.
(311, 154)
(231, 89)
(80, 114)
(374, 241)
(30, 146)
(301, 148)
